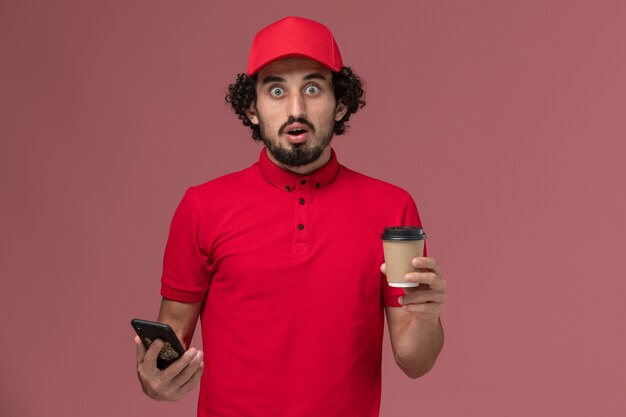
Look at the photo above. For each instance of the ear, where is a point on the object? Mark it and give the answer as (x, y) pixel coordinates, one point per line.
(251, 113)
(341, 111)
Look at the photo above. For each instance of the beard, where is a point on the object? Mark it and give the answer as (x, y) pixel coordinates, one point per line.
(297, 154)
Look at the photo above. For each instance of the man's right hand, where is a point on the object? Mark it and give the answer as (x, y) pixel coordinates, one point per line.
(173, 382)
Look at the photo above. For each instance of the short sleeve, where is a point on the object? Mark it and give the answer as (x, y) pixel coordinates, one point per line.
(410, 217)
(186, 271)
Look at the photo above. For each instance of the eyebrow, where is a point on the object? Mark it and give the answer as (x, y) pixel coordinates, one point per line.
(272, 79)
(275, 79)
(314, 76)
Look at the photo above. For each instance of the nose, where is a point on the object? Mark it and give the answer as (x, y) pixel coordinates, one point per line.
(297, 107)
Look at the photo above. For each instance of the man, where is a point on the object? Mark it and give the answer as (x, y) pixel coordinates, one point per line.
(282, 261)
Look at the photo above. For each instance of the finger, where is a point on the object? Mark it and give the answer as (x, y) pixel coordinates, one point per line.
(179, 373)
(140, 350)
(422, 297)
(172, 371)
(426, 263)
(429, 278)
(193, 381)
(383, 268)
(189, 371)
(152, 353)
(425, 311)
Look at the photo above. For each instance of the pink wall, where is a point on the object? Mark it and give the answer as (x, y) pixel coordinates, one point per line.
(505, 119)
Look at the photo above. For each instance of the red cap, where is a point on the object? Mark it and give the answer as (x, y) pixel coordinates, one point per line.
(294, 36)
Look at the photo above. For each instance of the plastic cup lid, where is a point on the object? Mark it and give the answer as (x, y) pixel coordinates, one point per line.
(403, 233)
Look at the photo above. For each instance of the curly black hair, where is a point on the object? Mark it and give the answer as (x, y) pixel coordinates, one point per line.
(347, 86)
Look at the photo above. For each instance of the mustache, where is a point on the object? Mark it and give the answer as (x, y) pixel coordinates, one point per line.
(291, 120)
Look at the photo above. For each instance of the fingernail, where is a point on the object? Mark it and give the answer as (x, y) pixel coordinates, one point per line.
(192, 352)
(200, 355)
(400, 300)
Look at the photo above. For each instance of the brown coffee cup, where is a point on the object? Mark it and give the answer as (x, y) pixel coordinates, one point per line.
(401, 244)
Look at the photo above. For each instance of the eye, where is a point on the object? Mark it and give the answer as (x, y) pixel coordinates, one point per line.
(312, 90)
(276, 91)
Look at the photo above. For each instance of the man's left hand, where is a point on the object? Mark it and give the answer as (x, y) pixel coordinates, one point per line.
(427, 300)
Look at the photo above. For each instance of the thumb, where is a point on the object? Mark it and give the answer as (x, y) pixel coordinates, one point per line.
(140, 350)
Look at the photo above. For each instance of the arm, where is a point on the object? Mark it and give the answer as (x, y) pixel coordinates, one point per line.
(182, 317)
(415, 329)
(174, 382)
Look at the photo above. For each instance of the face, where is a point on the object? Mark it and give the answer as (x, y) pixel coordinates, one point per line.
(296, 110)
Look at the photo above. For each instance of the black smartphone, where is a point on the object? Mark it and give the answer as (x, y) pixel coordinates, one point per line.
(149, 331)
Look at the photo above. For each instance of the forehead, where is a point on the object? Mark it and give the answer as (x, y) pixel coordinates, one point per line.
(294, 67)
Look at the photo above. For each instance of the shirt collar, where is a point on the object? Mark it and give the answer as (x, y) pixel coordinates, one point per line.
(288, 181)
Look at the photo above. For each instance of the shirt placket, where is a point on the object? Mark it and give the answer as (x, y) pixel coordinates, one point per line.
(303, 196)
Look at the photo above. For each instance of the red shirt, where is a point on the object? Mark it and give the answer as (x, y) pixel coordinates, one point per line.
(288, 267)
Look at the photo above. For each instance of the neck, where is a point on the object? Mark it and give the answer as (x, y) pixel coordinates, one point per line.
(308, 168)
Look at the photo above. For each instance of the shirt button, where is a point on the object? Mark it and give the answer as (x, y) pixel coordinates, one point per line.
(302, 201)
(288, 188)
(317, 184)
(301, 226)
(303, 182)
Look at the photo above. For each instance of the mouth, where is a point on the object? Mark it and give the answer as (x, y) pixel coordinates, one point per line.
(297, 133)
